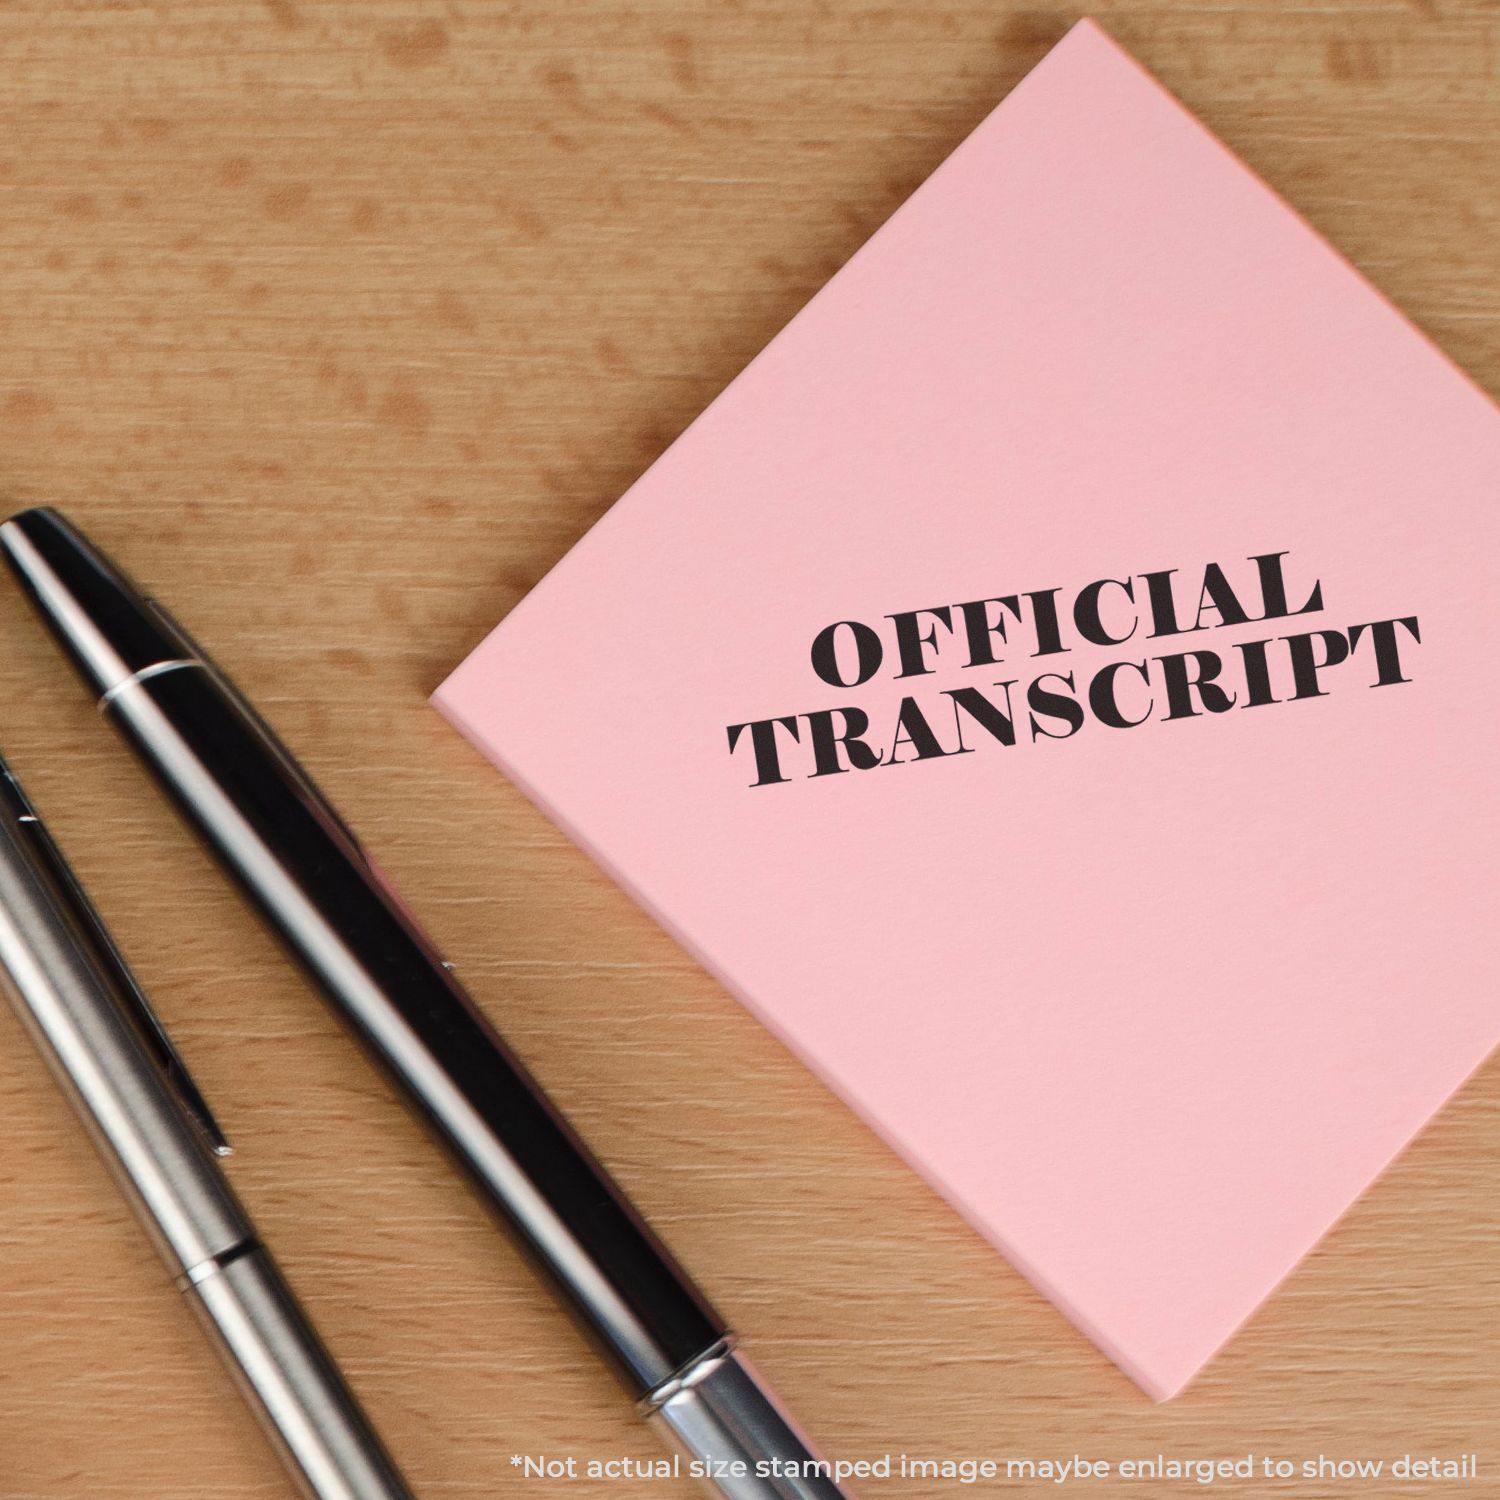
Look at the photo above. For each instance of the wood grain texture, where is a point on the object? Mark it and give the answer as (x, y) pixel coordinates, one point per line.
(343, 321)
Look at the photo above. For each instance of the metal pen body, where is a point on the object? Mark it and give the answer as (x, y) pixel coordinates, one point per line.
(72, 999)
(68, 1005)
(295, 858)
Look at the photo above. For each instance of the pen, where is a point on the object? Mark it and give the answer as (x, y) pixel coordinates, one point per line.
(305, 870)
(109, 1052)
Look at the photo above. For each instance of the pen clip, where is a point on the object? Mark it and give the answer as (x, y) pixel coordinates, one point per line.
(147, 1023)
(296, 772)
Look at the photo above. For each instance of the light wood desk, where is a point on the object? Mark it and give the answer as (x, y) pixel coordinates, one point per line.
(343, 321)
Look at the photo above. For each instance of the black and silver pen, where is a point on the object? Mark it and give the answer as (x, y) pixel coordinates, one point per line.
(110, 1054)
(304, 869)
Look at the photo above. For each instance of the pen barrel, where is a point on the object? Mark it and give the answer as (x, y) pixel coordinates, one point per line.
(321, 894)
(289, 1381)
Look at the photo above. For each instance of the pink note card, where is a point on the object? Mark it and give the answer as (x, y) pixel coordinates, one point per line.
(1050, 688)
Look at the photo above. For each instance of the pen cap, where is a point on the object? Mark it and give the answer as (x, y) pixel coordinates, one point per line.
(108, 628)
(80, 1017)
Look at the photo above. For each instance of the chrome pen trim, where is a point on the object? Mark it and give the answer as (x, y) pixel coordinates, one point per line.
(144, 675)
(723, 1415)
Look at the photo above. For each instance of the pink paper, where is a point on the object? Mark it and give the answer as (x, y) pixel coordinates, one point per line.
(1151, 1005)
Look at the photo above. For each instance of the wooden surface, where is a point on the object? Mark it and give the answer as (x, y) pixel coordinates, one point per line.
(341, 322)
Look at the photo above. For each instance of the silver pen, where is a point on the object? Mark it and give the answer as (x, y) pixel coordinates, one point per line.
(81, 1004)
